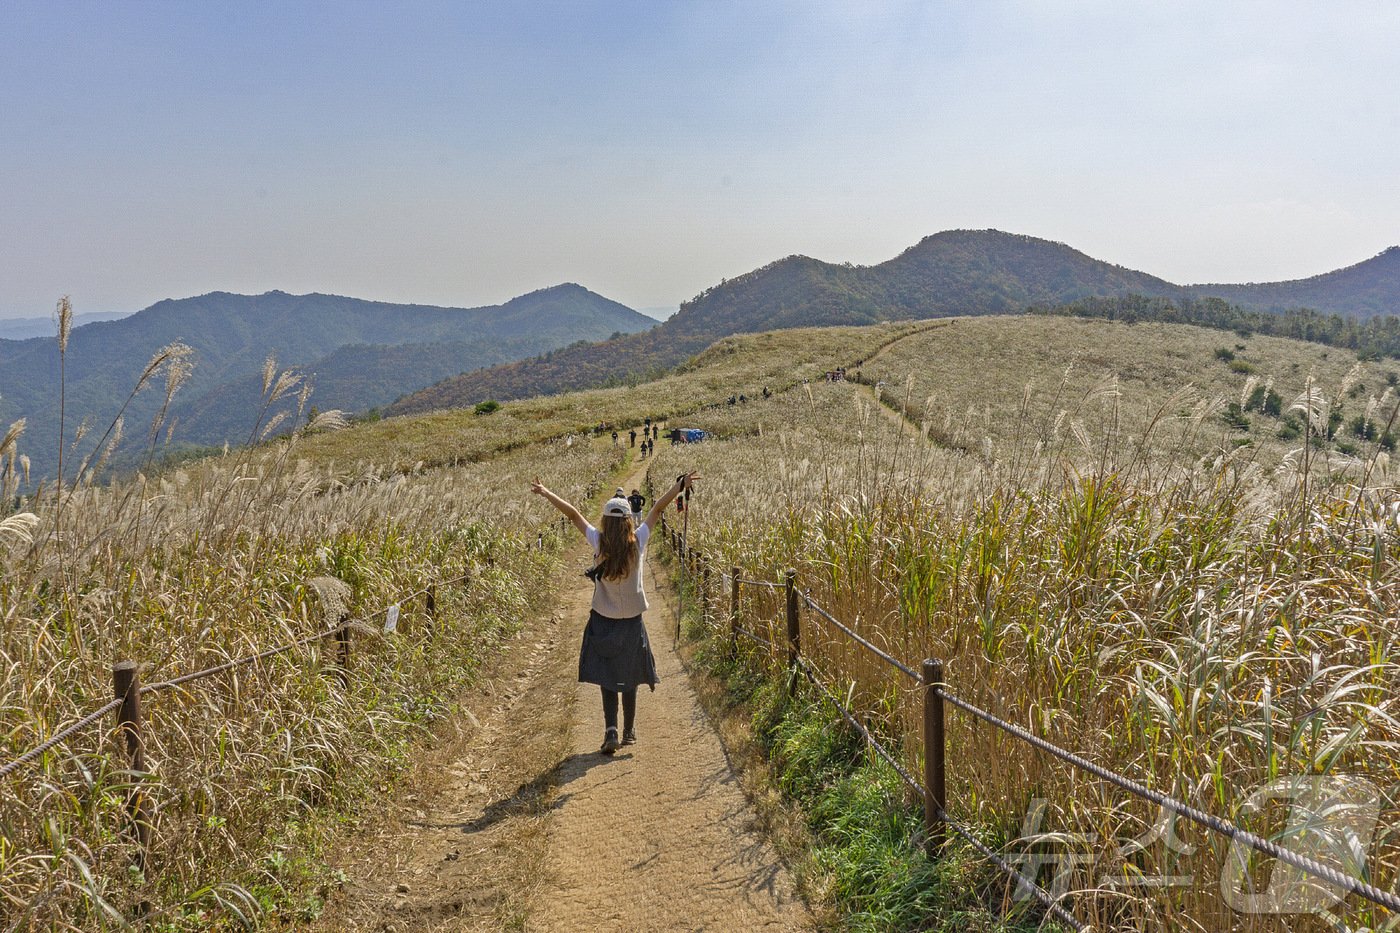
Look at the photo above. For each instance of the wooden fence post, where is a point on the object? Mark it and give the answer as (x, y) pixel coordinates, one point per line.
(794, 630)
(342, 641)
(126, 686)
(733, 610)
(430, 607)
(705, 593)
(935, 793)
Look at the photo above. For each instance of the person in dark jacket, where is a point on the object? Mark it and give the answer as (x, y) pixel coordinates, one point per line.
(616, 653)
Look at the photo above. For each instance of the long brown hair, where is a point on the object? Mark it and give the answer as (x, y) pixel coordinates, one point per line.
(617, 548)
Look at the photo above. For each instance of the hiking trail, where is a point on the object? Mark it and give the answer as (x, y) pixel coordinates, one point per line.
(513, 820)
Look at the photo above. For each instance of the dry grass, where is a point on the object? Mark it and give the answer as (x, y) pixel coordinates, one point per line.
(736, 365)
(184, 571)
(1202, 625)
(1000, 385)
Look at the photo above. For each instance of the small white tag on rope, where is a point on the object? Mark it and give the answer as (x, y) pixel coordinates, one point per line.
(391, 619)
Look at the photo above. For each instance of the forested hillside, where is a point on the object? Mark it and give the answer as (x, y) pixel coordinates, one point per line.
(1364, 290)
(358, 354)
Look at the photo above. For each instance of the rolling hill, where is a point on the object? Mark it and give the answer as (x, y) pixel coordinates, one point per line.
(957, 272)
(1365, 290)
(359, 354)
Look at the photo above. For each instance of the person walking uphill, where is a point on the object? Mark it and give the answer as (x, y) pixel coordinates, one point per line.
(616, 654)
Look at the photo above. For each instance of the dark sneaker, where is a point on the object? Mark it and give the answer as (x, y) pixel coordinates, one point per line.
(610, 742)
(629, 737)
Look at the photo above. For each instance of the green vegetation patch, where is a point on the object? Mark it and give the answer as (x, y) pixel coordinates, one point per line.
(867, 855)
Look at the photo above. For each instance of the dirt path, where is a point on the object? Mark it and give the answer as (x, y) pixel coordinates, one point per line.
(515, 821)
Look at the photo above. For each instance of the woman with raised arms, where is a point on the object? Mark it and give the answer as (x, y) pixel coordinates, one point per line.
(616, 654)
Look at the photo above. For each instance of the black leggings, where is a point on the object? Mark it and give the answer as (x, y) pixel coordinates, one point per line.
(629, 708)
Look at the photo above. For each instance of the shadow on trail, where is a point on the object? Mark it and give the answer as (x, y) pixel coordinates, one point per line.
(529, 797)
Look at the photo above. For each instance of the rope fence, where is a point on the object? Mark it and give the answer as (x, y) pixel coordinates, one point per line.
(931, 789)
(58, 738)
(128, 691)
(161, 686)
(875, 745)
(1213, 823)
(882, 655)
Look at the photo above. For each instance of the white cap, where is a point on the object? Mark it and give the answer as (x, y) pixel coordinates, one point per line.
(617, 506)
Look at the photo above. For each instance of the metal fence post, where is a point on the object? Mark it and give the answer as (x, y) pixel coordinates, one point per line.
(935, 794)
(794, 630)
(126, 686)
(430, 608)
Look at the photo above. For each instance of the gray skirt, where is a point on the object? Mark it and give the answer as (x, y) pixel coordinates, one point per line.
(616, 654)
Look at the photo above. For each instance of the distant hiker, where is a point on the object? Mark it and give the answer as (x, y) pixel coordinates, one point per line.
(743, 400)
(632, 438)
(636, 500)
(616, 653)
(766, 393)
(614, 438)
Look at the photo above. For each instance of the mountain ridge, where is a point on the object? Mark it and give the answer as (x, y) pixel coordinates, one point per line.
(1371, 287)
(953, 272)
(232, 336)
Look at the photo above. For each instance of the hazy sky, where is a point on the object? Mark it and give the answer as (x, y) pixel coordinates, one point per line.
(463, 153)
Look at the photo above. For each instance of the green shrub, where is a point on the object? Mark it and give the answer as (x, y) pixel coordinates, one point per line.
(1242, 367)
(1266, 400)
(485, 408)
(1225, 354)
(1363, 427)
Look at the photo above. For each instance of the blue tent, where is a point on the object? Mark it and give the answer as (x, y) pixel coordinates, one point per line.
(690, 435)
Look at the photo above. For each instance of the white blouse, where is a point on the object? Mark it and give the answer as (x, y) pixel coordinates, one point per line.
(625, 598)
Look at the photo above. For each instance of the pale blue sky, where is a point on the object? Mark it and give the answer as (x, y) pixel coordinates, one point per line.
(463, 153)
